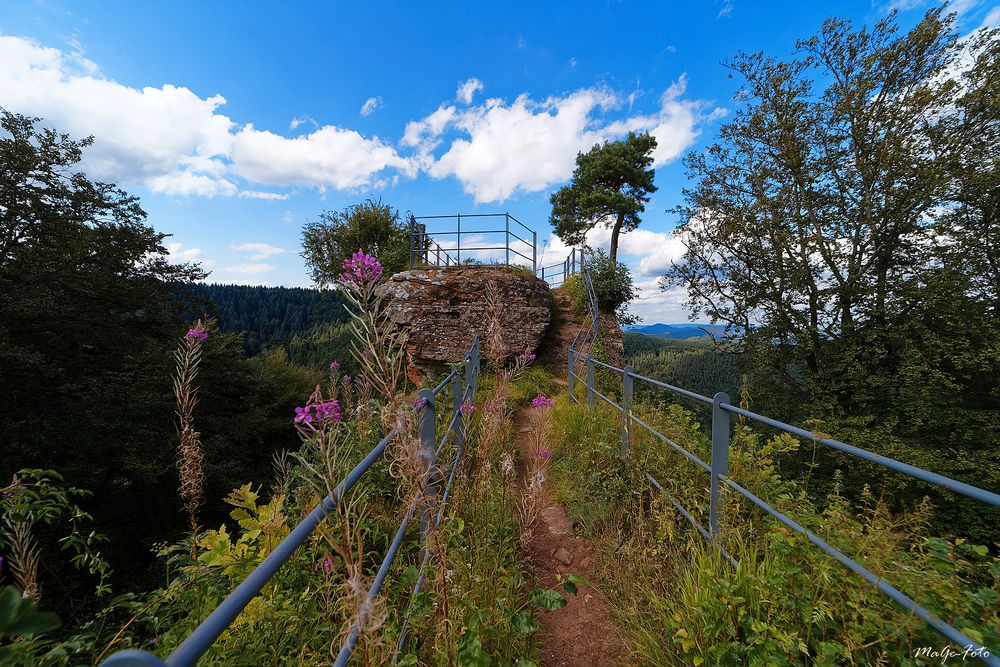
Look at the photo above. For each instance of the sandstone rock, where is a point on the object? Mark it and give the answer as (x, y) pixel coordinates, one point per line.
(442, 310)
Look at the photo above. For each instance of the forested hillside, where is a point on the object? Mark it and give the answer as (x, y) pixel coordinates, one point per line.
(268, 316)
(694, 364)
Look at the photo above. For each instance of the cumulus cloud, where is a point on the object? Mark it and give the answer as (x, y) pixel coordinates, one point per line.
(466, 91)
(257, 251)
(370, 105)
(172, 140)
(329, 157)
(529, 145)
(178, 143)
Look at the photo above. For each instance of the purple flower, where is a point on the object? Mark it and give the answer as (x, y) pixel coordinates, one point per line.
(543, 453)
(419, 403)
(493, 406)
(346, 379)
(303, 415)
(325, 565)
(541, 401)
(467, 409)
(361, 268)
(2, 559)
(368, 352)
(334, 366)
(197, 333)
(526, 357)
(321, 411)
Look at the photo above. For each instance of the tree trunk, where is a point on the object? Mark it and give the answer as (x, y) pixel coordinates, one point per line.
(615, 231)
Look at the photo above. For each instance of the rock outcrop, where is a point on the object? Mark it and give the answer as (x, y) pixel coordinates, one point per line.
(441, 311)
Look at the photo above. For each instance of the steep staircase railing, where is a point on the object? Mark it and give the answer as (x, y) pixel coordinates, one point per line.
(718, 470)
(463, 388)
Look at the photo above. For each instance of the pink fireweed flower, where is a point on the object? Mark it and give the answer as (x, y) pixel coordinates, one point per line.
(303, 415)
(526, 357)
(346, 379)
(361, 268)
(334, 366)
(493, 406)
(419, 403)
(467, 409)
(324, 565)
(197, 333)
(368, 352)
(541, 401)
(543, 453)
(321, 411)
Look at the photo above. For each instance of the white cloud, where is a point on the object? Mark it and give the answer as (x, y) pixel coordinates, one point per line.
(529, 145)
(467, 90)
(298, 122)
(171, 139)
(177, 143)
(370, 105)
(186, 184)
(178, 253)
(257, 251)
(251, 269)
(329, 157)
(257, 194)
(727, 8)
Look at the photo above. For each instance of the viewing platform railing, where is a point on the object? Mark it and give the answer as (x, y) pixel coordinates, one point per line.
(463, 388)
(484, 241)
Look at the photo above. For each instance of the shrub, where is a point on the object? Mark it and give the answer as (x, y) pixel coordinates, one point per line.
(613, 286)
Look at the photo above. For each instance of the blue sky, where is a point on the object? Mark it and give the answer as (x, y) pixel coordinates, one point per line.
(238, 122)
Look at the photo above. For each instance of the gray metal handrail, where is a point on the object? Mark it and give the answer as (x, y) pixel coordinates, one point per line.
(201, 639)
(423, 244)
(719, 470)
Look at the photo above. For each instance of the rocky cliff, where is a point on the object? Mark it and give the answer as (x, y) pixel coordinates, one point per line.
(441, 311)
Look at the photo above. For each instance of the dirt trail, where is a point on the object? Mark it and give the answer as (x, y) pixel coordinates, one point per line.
(581, 633)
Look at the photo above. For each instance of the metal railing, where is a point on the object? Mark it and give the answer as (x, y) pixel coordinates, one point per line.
(443, 247)
(463, 388)
(718, 469)
(557, 274)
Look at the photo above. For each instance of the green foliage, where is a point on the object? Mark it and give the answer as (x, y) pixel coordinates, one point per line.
(611, 185)
(371, 226)
(267, 316)
(697, 365)
(18, 616)
(613, 286)
(90, 312)
(787, 603)
(845, 224)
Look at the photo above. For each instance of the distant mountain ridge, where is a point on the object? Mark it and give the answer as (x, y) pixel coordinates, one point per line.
(679, 331)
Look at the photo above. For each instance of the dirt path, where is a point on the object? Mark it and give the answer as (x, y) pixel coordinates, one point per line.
(581, 633)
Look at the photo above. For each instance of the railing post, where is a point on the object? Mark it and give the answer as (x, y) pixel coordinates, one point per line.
(720, 460)
(458, 244)
(456, 406)
(506, 218)
(590, 381)
(570, 378)
(413, 222)
(534, 250)
(427, 447)
(628, 382)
